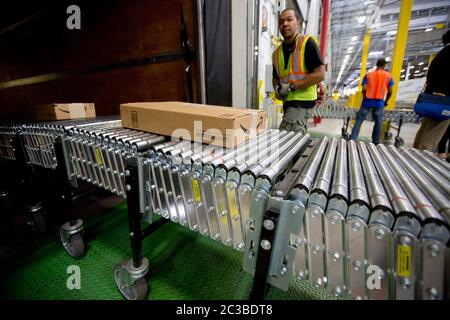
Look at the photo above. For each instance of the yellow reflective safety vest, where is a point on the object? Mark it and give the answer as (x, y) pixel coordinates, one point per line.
(296, 69)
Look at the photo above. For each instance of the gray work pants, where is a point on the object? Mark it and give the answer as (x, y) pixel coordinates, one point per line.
(296, 119)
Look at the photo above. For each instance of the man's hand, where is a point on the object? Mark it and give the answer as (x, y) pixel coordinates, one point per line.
(283, 90)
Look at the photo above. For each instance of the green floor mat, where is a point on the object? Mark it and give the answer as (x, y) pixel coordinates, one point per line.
(183, 264)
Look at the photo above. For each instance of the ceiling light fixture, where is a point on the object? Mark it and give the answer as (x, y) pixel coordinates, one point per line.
(361, 19)
(354, 38)
(375, 53)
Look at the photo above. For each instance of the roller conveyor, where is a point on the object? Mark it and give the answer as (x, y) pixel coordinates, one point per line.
(362, 221)
(395, 116)
(340, 112)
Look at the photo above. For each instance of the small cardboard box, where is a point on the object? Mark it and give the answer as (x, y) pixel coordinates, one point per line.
(63, 111)
(220, 126)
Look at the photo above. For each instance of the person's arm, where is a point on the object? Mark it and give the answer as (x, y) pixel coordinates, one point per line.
(389, 94)
(364, 85)
(312, 78)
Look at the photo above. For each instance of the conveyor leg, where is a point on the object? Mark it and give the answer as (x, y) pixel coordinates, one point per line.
(130, 275)
(260, 286)
(399, 142)
(72, 231)
(34, 209)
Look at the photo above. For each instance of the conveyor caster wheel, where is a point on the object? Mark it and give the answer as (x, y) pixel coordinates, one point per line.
(131, 281)
(71, 238)
(36, 218)
(387, 136)
(399, 142)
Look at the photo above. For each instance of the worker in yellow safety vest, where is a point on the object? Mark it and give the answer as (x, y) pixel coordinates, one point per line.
(297, 69)
(376, 89)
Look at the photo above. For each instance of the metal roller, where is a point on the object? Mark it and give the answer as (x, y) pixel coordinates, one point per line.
(423, 207)
(323, 181)
(241, 194)
(405, 233)
(356, 226)
(274, 147)
(334, 223)
(314, 217)
(255, 147)
(238, 188)
(309, 172)
(435, 232)
(436, 160)
(358, 191)
(230, 229)
(379, 234)
(299, 193)
(398, 198)
(439, 167)
(259, 167)
(425, 178)
(277, 167)
(434, 176)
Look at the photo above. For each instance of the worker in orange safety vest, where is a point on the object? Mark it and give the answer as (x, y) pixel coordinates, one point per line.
(377, 89)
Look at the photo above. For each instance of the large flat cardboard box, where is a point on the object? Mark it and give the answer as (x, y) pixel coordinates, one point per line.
(216, 125)
(63, 111)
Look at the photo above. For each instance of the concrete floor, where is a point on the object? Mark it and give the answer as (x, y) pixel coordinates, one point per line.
(334, 126)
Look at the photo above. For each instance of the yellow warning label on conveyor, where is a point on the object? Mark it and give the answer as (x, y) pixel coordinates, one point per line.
(99, 157)
(196, 190)
(232, 203)
(404, 261)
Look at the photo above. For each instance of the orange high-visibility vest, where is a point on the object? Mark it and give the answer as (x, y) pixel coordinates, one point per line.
(296, 69)
(377, 84)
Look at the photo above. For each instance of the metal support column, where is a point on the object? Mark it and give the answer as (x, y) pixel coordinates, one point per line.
(399, 47)
(362, 73)
(398, 54)
(324, 29)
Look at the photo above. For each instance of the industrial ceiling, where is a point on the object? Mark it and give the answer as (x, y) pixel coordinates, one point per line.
(351, 19)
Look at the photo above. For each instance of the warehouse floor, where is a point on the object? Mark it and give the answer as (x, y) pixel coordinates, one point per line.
(332, 127)
(184, 264)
